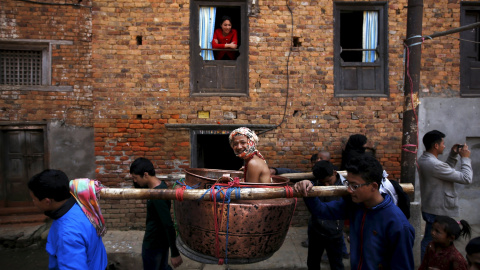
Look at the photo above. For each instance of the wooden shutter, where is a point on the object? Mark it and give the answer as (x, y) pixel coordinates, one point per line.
(469, 57)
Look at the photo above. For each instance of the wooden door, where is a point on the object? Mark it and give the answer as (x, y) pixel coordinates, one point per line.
(24, 157)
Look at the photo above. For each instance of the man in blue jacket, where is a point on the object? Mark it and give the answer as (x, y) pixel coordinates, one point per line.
(380, 235)
(73, 242)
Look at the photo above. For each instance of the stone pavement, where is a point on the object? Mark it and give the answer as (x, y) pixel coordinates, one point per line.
(124, 252)
(20, 242)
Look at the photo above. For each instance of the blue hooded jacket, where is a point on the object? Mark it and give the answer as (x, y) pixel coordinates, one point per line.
(73, 242)
(380, 237)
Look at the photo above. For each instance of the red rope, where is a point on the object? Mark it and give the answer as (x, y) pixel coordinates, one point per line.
(289, 191)
(179, 193)
(224, 187)
(217, 227)
(410, 81)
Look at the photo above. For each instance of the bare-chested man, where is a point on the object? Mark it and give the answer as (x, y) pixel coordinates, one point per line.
(243, 142)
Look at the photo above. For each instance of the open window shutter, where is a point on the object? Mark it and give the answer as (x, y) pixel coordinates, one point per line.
(470, 66)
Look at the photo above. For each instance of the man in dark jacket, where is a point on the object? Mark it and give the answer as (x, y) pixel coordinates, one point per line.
(159, 232)
(380, 235)
(325, 234)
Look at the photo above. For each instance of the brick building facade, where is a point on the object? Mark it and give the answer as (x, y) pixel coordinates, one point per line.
(135, 79)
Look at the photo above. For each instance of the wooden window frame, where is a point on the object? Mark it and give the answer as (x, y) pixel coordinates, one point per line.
(242, 61)
(45, 46)
(382, 49)
(465, 74)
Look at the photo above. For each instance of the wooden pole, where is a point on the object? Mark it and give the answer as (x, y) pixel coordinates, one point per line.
(298, 176)
(245, 193)
(411, 85)
(306, 176)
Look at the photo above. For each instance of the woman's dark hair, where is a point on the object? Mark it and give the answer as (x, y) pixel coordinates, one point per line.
(356, 143)
(225, 18)
(52, 184)
(141, 166)
(368, 167)
(353, 148)
(452, 227)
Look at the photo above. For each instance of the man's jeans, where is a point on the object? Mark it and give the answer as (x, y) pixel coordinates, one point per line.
(155, 259)
(427, 236)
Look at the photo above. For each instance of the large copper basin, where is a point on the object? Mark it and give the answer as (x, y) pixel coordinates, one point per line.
(256, 228)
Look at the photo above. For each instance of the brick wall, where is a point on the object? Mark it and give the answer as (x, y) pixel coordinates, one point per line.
(131, 110)
(440, 75)
(128, 92)
(71, 64)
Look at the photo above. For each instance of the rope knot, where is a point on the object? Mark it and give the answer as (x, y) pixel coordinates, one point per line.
(179, 193)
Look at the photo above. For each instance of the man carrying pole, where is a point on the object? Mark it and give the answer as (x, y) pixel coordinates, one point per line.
(160, 232)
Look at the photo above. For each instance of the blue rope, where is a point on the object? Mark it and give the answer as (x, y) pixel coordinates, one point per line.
(181, 182)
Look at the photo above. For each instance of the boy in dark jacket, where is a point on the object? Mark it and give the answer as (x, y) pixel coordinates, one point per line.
(324, 234)
(380, 235)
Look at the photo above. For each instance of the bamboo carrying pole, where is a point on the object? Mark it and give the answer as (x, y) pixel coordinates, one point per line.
(245, 193)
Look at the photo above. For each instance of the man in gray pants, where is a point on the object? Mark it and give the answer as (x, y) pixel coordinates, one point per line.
(438, 178)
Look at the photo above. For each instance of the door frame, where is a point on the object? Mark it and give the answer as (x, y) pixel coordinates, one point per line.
(5, 126)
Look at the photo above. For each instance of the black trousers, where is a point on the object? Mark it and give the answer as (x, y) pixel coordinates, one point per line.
(317, 244)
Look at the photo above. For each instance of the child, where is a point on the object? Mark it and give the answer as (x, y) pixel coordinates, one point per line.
(441, 252)
(473, 254)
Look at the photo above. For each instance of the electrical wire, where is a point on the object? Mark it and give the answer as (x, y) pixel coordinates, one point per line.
(461, 39)
(56, 4)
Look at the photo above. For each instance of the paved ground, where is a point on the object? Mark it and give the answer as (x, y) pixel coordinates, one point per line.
(124, 250)
(126, 245)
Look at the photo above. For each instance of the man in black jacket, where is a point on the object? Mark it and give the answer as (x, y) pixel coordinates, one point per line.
(325, 234)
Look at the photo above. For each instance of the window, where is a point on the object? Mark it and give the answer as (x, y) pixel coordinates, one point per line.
(26, 65)
(360, 44)
(469, 51)
(21, 67)
(218, 70)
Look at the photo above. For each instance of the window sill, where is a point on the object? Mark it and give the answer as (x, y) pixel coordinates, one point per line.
(46, 88)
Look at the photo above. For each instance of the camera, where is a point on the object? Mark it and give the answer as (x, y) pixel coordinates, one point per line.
(459, 146)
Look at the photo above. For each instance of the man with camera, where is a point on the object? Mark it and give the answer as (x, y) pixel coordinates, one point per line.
(438, 178)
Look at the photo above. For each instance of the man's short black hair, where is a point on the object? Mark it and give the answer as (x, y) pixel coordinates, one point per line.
(314, 157)
(473, 246)
(142, 165)
(52, 184)
(431, 138)
(323, 169)
(368, 167)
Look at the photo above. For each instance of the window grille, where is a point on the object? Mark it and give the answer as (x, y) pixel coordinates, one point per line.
(20, 67)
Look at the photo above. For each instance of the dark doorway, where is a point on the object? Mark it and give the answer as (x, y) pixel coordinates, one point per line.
(23, 155)
(213, 151)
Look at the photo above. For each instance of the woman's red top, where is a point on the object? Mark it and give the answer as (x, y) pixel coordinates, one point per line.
(231, 37)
